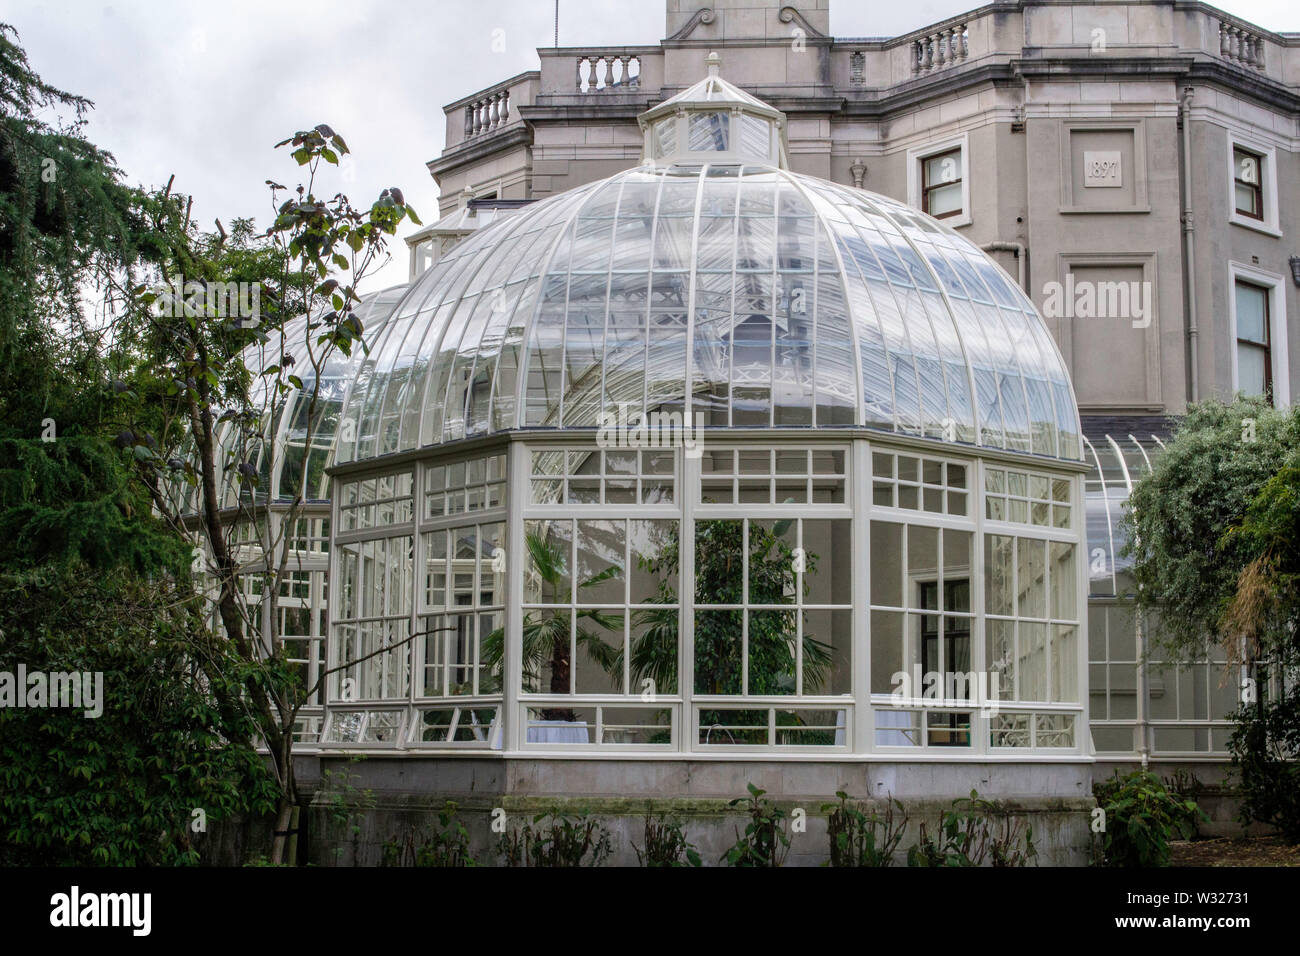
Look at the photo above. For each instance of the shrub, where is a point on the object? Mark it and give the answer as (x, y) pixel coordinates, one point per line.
(446, 845)
(863, 839)
(566, 841)
(974, 832)
(665, 843)
(766, 840)
(1142, 815)
(1264, 746)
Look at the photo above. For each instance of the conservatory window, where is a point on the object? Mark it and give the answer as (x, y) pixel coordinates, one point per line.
(1027, 498)
(464, 486)
(921, 616)
(1031, 630)
(919, 484)
(310, 535)
(609, 476)
(374, 613)
(708, 132)
(755, 136)
(611, 627)
(464, 578)
(773, 609)
(375, 502)
(779, 476)
(665, 133)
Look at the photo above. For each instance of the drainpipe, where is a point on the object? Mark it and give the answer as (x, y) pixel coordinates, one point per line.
(1144, 693)
(1018, 248)
(1189, 242)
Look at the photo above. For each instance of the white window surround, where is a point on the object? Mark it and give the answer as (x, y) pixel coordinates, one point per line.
(917, 154)
(1270, 225)
(1277, 320)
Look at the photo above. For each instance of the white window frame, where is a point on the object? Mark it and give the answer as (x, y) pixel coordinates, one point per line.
(1270, 225)
(1277, 320)
(918, 154)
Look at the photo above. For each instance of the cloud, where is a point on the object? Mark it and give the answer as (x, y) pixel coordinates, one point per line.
(204, 90)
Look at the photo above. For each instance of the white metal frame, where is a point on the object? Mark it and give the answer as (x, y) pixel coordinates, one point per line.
(855, 713)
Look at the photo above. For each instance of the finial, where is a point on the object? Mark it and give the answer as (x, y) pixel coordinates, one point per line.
(715, 62)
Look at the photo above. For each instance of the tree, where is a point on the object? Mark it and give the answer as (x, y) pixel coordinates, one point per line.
(90, 581)
(1215, 534)
(214, 384)
(1184, 523)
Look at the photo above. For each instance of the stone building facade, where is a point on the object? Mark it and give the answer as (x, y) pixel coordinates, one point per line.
(1097, 149)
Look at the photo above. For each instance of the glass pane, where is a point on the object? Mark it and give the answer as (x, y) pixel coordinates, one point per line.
(1252, 312)
(827, 551)
(719, 562)
(1251, 370)
(944, 168)
(1064, 583)
(755, 137)
(666, 136)
(546, 568)
(1030, 583)
(888, 651)
(886, 564)
(773, 638)
(708, 132)
(772, 571)
(601, 574)
(944, 200)
(922, 561)
(718, 641)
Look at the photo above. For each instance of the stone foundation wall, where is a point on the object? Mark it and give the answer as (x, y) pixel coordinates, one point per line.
(362, 806)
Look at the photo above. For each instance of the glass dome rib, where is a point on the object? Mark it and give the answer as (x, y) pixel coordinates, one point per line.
(754, 296)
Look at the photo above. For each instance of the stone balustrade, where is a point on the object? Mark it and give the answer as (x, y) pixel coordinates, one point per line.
(602, 72)
(489, 112)
(941, 49)
(1239, 45)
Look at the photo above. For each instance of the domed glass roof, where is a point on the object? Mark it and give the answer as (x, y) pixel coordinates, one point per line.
(748, 294)
(713, 283)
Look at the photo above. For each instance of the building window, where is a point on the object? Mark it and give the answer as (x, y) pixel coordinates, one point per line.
(1248, 189)
(1253, 186)
(941, 184)
(1254, 347)
(937, 183)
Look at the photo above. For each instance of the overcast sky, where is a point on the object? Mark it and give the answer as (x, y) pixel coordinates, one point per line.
(205, 88)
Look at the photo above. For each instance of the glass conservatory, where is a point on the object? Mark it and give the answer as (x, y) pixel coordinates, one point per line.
(1141, 707)
(710, 457)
